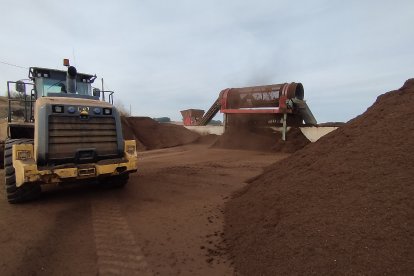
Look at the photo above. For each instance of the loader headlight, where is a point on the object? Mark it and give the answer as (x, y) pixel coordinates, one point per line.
(71, 109)
(57, 108)
(97, 110)
(107, 111)
(130, 149)
(23, 155)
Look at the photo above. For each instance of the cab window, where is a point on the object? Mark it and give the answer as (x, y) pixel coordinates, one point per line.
(45, 86)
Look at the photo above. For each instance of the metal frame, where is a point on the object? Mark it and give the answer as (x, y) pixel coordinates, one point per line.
(289, 101)
(110, 96)
(31, 101)
(255, 111)
(283, 107)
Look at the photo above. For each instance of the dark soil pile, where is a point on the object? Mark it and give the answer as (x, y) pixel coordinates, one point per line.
(295, 140)
(261, 139)
(331, 124)
(341, 206)
(129, 134)
(208, 139)
(150, 134)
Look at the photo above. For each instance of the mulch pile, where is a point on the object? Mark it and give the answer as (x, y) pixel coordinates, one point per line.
(341, 206)
(331, 124)
(149, 134)
(208, 139)
(261, 140)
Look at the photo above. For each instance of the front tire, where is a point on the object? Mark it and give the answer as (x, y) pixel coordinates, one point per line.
(16, 194)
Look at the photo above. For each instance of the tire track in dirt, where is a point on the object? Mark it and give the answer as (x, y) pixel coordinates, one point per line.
(117, 251)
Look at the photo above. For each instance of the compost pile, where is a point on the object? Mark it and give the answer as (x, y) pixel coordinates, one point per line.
(343, 205)
(149, 134)
(208, 139)
(261, 140)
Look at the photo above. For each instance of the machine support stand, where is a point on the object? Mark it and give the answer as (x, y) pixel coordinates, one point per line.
(225, 121)
(284, 127)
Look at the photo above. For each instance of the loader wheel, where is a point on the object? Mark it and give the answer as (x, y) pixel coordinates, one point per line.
(1, 155)
(116, 182)
(15, 194)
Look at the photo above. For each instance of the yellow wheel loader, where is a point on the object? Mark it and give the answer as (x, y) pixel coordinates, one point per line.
(68, 133)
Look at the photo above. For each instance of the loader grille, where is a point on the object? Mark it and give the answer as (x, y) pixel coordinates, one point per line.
(69, 136)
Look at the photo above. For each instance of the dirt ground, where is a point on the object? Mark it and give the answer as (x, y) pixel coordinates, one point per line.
(168, 220)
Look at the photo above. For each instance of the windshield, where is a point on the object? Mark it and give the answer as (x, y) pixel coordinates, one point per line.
(46, 86)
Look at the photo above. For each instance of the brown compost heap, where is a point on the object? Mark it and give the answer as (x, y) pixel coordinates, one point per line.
(241, 137)
(149, 134)
(341, 206)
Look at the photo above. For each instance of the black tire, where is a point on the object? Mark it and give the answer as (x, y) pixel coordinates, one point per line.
(25, 192)
(1, 155)
(115, 182)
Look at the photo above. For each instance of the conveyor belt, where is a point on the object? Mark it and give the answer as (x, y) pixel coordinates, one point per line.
(305, 111)
(210, 113)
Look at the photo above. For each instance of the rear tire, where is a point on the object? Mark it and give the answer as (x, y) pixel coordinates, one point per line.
(16, 194)
(1, 155)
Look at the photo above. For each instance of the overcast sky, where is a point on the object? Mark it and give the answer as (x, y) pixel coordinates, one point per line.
(164, 56)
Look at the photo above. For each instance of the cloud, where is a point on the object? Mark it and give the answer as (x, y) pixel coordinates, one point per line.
(164, 56)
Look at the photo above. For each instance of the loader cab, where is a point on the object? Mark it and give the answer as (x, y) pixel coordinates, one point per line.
(55, 83)
(46, 83)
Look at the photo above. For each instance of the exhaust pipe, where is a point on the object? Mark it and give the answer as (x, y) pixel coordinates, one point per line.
(71, 80)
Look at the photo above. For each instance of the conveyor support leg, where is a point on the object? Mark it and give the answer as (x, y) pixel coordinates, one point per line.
(284, 127)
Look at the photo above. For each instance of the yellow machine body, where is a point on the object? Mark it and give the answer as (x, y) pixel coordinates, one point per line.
(27, 171)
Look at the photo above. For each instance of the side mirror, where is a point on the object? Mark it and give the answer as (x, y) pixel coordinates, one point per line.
(20, 87)
(96, 92)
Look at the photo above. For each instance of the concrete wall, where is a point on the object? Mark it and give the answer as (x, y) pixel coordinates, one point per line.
(205, 130)
(312, 133)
